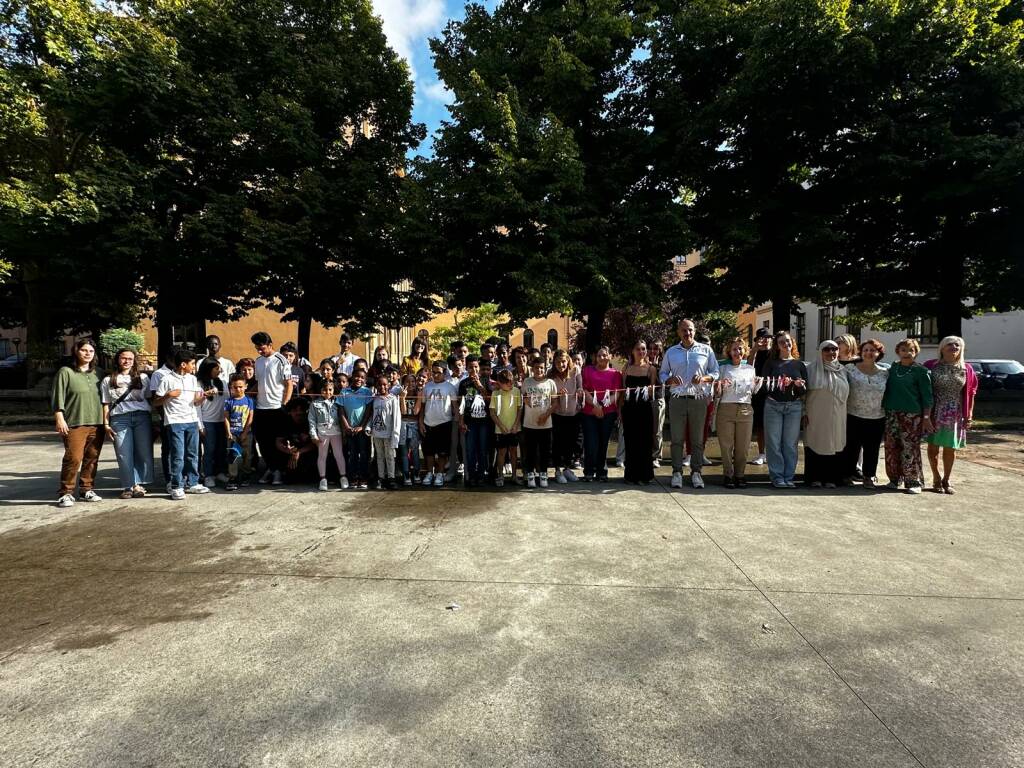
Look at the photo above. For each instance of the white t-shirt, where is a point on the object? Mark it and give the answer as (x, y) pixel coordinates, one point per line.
(212, 408)
(345, 363)
(437, 402)
(136, 399)
(537, 398)
(159, 373)
(742, 378)
(271, 374)
(181, 409)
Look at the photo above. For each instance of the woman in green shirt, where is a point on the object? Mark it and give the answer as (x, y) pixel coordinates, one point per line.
(78, 412)
(908, 404)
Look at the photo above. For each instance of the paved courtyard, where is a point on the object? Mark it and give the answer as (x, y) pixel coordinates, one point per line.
(588, 626)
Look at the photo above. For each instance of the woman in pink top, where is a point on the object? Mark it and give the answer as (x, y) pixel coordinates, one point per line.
(601, 395)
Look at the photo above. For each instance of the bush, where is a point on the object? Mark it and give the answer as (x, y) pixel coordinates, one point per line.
(120, 338)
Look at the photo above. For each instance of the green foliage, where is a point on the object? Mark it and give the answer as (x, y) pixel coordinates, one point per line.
(541, 195)
(120, 338)
(473, 326)
(721, 327)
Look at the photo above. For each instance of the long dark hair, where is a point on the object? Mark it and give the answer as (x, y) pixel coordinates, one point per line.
(133, 371)
(76, 348)
(204, 376)
(424, 356)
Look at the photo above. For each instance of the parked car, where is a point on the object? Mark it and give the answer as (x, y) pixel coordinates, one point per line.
(14, 371)
(998, 374)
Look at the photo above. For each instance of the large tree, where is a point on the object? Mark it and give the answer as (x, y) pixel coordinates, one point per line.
(868, 154)
(541, 192)
(329, 211)
(81, 99)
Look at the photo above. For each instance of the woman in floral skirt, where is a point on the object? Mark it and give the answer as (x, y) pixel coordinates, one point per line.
(954, 384)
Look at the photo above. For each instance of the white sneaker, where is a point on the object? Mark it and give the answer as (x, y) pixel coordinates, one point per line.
(343, 483)
(686, 461)
(222, 478)
(407, 481)
(210, 483)
(677, 480)
(277, 478)
(65, 501)
(438, 481)
(530, 481)
(507, 470)
(267, 477)
(542, 481)
(177, 494)
(696, 480)
(560, 478)
(570, 476)
(91, 496)
(461, 470)
(429, 479)
(198, 489)
(913, 487)
(759, 460)
(323, 484)
(656, 463)
(706, 461)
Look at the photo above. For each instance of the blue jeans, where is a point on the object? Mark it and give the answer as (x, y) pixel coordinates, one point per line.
(215, 448)
(409, 447)
(477, 451)
(358, 460)
(133, 444)
(184, 454)
(781, 436)
(596, 433)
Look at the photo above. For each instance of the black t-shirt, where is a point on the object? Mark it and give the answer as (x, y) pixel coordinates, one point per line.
(474, 401)
(795, 369)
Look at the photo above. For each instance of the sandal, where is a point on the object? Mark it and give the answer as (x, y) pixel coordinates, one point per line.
(947, 488)
(937, 485)
(138, 492)
(126, 494)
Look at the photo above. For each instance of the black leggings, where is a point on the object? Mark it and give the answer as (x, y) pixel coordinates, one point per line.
(536, 450)
(866, 435)
(566, 433)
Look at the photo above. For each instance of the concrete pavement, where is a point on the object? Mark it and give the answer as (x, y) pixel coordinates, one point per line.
(595, 626)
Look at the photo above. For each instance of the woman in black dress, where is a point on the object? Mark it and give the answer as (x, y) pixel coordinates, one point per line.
(640, 378)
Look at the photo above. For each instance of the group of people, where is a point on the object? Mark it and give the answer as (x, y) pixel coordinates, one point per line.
(517, 415)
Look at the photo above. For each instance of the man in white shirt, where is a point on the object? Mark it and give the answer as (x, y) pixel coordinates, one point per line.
(179, 392)
(226, 366)
(687, 367)
(275, 385)
(165, 437)
(344, 360)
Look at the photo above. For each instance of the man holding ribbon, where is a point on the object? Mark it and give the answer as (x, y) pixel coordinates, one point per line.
(685, 370)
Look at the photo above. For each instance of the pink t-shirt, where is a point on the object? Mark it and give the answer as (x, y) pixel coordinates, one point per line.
(600, 382)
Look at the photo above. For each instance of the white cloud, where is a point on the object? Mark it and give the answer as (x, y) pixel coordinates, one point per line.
(408, 23)
(436, 91)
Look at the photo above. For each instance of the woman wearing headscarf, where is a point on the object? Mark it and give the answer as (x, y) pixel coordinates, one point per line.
(824, 418)
(954, 384)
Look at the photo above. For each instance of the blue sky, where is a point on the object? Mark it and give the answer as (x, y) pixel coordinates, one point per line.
(408, 25)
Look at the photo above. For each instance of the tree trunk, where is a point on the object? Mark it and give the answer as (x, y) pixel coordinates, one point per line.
(948, 312)
(782, 310)
(164, 333)
(39, 332)
(595, 326)
(305, 326)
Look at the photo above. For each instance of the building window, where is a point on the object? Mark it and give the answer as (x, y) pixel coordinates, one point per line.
(528, 338)
(553, 338)
(681, 260)
(800, 329)
(826, 329)
(925, 330)
(188, 336)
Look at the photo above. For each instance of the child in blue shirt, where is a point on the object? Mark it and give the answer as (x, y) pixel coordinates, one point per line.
(238, 410)
(353, 406)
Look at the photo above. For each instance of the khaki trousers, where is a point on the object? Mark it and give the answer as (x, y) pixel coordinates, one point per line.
(735, 426)
(81, 450)
(686, 417)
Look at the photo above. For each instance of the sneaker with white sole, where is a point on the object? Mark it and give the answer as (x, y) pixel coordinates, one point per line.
(677, 480)
(277, 478)
(222, 478)
(531, 482)
(323, 484)
(407, 482)
(177, 494)
(438, 480)
(210, 483)
(429, 479)
(570, 476)
(90, 496)
(560, 478)
(542, 481)
(267, 477)
(65, 501)
(696, 480)
(686, 461)
(343, 483)
(656, 463)
(759, 460)
(507, 470)
(706, 461)
(499, 482)
(914, 487)
(198, 489)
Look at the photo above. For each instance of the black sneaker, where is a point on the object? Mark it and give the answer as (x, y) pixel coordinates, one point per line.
(741, 483)
(729, 482)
